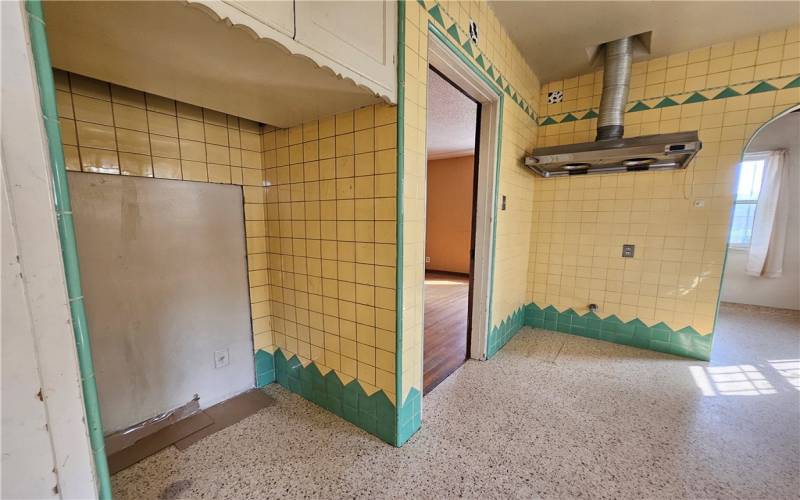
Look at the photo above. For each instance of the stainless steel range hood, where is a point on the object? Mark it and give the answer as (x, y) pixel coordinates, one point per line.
(610, 153)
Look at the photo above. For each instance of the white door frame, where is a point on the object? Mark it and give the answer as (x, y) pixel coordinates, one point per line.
(452, 64)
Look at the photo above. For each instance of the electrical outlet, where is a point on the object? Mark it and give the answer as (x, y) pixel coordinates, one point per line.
(221, 358)
(627, 250)
(427, 260)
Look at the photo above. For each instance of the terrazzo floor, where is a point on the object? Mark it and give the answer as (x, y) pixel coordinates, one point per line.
(552, 415)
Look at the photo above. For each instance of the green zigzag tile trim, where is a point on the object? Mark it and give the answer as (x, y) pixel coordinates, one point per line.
(436, 13)
(727, 92)
(480, 61)
(422, 3)
(468, 48)
(265, 368)
(375, 414)
(685, 342)
(501, 334)
(409, 416)
(665, 103)
(761, 87)
(453, 31)
(696, 97)
(490, 71)
(569, 117)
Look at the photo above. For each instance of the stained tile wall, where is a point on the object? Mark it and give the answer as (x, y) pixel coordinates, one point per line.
(496, 57)
(109, 129)
(678, 220)
(331, 249)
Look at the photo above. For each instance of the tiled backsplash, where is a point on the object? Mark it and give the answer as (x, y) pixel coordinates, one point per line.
(678, 220)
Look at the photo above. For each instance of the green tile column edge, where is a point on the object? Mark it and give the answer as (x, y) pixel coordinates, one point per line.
(374, 413)
(686, 342)
(400, 415)
(66, 234)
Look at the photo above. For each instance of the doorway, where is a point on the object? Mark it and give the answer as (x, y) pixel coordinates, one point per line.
(458, 280)
(452, 136)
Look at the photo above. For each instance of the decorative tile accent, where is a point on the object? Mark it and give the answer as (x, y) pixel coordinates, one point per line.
(727, 92)
(685, 342)
(639, 106)
(374, 413)
(755, 87)
(555, 96)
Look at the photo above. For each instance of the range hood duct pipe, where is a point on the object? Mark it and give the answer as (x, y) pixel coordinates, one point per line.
(616, 82)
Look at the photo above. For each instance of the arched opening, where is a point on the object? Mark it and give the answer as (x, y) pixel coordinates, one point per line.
(759, 315)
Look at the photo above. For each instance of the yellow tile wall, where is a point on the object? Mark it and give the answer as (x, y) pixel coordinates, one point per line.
(580, 223)
(108, 129)
(331, 249)
(519, 135)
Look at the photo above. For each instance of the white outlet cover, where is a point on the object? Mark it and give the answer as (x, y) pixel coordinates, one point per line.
(221, 358)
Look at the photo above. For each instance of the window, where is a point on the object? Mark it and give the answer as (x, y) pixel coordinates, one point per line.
(751, 173)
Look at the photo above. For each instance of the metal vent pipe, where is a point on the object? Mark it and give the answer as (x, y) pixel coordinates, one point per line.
(616, 82)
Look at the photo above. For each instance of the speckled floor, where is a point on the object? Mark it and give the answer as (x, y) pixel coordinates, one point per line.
(552, 415)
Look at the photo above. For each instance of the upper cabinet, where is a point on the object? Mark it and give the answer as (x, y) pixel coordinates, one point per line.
(360, 35)
(356, 40)
(277, 14)
(277, 63)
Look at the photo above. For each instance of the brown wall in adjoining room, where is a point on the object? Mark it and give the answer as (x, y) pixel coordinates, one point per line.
(449, 214)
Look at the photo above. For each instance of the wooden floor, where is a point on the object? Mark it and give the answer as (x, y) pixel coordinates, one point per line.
(445, 347)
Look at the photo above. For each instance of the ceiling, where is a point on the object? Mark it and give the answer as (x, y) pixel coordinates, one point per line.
(452, 120)
(179, 51)
(554, 36)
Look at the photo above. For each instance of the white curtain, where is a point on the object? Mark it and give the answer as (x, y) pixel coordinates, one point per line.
(768, 240)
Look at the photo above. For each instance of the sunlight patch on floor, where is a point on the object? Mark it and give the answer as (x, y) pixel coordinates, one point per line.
(733, 380)
(789, 369)
(443, 282)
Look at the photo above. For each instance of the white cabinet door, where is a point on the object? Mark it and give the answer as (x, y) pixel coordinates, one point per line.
(277, 14)
(359, 35)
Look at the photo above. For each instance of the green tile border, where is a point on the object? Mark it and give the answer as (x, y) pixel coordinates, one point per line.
(374, 413)
(686, 342)
(460, 37)
(691, 97)
(400, 217)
